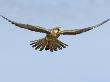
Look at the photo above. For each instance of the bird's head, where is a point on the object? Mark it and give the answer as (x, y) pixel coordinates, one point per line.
(57, 29)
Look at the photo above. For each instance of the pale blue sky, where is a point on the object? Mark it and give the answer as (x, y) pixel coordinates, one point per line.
(86, 59)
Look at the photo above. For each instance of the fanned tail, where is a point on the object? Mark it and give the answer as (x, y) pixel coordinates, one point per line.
(48, 44)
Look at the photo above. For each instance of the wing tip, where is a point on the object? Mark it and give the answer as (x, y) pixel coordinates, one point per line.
(7, 19)
(3, 17)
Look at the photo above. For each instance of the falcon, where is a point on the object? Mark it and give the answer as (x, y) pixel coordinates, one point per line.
(50, 41)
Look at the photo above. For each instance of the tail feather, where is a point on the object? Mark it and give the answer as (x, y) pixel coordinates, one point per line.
(48, 44)
(55, 47)
(42, 45)
(58, 46)
(62, 45)
(37, 47)
(34, 44)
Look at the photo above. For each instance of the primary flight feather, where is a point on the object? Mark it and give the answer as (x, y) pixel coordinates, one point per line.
(50, 41)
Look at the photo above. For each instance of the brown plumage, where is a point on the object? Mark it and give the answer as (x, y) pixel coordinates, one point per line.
(50, 41)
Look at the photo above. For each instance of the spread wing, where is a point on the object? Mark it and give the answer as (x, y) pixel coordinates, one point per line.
(78, 31)
(27, 26)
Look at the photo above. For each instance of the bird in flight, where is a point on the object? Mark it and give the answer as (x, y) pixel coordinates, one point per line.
(50, 41)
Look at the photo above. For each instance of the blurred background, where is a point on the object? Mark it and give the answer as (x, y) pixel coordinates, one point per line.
(86, 59)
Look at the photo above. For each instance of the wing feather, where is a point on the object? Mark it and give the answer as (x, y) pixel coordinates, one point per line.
(78, 31)
(27, 26)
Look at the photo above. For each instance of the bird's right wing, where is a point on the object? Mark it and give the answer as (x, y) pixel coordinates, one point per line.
(27, 26)
(78, 31)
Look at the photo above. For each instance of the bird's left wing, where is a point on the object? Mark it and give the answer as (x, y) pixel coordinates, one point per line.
(27, 26)
(78, 31)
